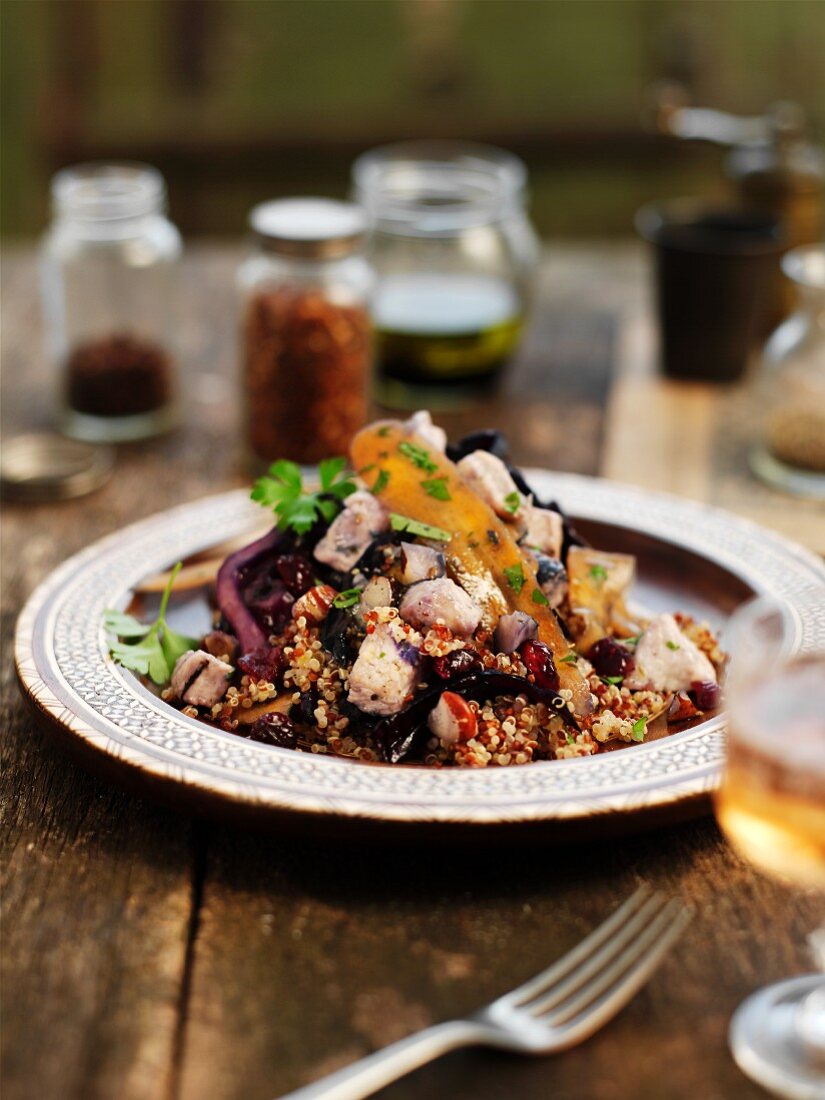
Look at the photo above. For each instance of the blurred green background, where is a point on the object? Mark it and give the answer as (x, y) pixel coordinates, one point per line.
(241, 100)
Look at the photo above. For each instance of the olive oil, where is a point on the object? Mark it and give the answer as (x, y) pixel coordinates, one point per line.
(441, 336)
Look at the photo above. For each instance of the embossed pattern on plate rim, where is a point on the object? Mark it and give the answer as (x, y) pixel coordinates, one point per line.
(63, 665)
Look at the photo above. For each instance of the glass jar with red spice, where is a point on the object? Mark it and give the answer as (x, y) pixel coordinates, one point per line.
(109, 278)
(306, 331)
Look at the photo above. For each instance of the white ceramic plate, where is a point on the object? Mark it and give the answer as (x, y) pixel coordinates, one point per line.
(690, 557)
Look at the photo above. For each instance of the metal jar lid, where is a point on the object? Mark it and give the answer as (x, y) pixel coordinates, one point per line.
(311, 228)
(44, 467)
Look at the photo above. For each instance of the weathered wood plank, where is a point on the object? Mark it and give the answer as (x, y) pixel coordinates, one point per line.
(97, 886)
(310, 955)
(693, 439)
(119, 982)
(96, 903)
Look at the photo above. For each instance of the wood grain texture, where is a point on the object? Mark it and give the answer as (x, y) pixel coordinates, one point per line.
(693, 439)
(148, 956)
(97, 892)
(312, 955)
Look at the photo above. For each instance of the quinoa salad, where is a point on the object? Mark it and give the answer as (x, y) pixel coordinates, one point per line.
(420, 604)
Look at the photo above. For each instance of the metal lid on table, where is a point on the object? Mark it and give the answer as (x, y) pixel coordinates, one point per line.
(311, 228)
(44, 467)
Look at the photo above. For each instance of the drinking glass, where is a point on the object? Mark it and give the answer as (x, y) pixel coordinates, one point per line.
(771, 805)
(716, 269)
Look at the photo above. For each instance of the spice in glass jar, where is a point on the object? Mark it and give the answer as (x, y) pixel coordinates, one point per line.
(307, 342)
(109, 281)
(118, 375)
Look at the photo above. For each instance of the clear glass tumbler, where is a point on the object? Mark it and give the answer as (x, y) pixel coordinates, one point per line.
(771, 805)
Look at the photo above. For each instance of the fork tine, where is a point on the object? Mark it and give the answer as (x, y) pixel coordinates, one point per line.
(559, 969)
(627, 984)
(606, 976)
(595, 963)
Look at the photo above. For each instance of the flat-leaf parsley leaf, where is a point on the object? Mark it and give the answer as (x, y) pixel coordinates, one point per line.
(297, 508)
(639, 729)
(348, 598)
(418, 456)
(437, 487)
(158, 648)
(512, 502)
(125, 626)
(413, 527)
(381, 482)
(515, 577)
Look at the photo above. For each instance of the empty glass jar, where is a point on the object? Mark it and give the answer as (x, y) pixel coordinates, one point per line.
(109, 298)
(789, 389)
(454, 253)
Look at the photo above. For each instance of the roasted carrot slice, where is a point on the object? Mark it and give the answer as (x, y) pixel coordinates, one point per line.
(416, 481)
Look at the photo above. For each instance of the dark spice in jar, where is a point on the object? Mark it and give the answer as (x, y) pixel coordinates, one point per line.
(118, 375)
(307, 363)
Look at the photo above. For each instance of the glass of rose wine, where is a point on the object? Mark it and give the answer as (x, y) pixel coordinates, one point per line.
(771, 805)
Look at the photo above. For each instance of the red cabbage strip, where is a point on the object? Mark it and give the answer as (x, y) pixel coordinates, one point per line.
(246, 628)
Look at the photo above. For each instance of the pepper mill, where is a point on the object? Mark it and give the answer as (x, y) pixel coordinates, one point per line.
(773, 166)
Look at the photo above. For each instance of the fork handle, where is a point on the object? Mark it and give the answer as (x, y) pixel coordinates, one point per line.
(369, 1074)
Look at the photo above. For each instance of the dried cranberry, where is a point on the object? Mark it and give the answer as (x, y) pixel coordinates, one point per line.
(264, 664)
(609, 658)
(705, 694)
(456, 663)
(274, 729)
(540, 665)
(296, 572)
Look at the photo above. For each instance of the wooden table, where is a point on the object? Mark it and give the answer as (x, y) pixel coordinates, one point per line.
(147, 955)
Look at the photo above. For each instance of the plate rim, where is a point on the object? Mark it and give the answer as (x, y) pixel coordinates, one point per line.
(49, 699)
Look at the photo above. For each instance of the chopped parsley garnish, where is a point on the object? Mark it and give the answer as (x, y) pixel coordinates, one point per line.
(611, 679)
(672, 645)
(297, 508)
(540, 598)
(384, 432)
(418, 456)
(515, 577)
(571, 740)
(422, 530)
(381, 482)
(639, 730)
(570, 659)
(348, 598)
(598, 573)
(512, 502)
(157, 647)
(437, 487)
(632, 640)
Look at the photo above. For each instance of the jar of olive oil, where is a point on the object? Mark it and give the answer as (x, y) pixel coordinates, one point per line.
(455, 253)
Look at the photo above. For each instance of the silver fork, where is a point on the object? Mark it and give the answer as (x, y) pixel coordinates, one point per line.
(557, 1009)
